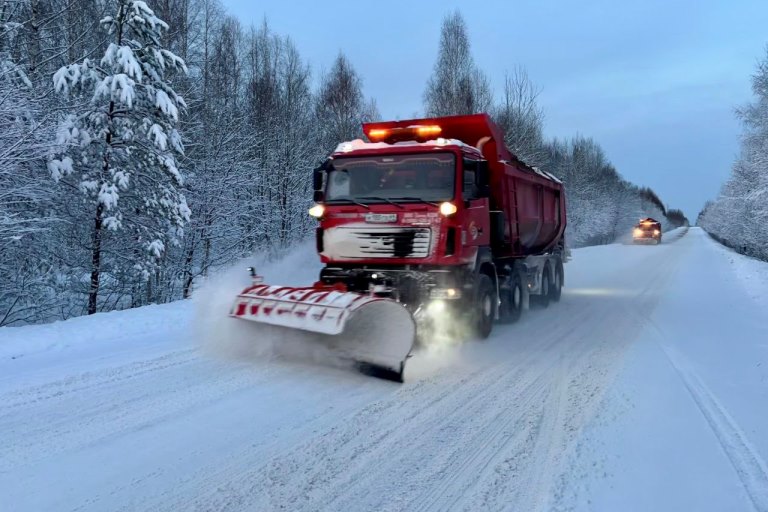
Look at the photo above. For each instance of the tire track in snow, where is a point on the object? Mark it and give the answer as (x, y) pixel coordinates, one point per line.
(333, 470)
(524, 473)
(516, 394)
(55, 418)
(589, 381)
(393, 432)
(506, 429)
(244, 453)
(749, 466)
(519, 430)
(86, 381)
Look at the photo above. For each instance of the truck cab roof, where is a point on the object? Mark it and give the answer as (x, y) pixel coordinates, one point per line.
(361, 146)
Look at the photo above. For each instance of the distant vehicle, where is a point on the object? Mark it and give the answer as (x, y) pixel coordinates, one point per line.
(647, 231)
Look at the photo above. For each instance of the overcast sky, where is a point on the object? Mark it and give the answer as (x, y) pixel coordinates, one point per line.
(655, 83)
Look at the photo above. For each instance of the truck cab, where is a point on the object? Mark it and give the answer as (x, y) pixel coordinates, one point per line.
(414, 204)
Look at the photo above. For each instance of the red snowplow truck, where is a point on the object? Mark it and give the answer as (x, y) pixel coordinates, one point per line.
(432, 222)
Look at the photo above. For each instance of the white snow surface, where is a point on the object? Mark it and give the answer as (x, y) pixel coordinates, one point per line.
(645, 388)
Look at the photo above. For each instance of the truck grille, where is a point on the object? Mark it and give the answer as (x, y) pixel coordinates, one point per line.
(385, 242)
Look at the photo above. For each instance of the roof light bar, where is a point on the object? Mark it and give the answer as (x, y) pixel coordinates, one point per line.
(417, 132)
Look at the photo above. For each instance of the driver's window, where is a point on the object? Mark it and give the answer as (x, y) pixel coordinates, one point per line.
(338, 183)
(469, 188)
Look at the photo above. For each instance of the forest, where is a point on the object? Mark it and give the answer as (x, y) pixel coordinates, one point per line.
(738, 217)
(144, 145)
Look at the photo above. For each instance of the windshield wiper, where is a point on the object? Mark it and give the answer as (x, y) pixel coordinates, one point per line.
(415, 199)
(377, 198)
(347, 200)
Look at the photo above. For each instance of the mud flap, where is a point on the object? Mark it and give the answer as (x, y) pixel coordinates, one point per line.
(361, 328)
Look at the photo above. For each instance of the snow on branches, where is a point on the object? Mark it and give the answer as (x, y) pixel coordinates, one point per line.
(739, 215)
(120, 148)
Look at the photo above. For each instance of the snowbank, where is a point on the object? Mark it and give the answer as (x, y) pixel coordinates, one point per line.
(94, 329)
(208, 310)
(751, 273)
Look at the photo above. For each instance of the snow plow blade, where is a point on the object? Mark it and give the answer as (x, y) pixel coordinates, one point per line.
(365, 329)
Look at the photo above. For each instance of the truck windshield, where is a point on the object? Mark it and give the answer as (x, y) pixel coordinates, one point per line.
(406, 178)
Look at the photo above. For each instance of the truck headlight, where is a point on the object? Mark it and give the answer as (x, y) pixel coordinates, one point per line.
(436, 307)
(317, 211)
(444, 293)
(447, 209)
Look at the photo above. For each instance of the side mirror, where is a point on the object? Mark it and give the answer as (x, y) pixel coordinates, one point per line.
(483, 178)
(317, 182)
(317, 179)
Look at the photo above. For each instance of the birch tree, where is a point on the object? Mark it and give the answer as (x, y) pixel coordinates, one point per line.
(341, 106)
(521, 118)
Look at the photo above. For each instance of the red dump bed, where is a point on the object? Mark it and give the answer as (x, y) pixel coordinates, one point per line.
(535, 210)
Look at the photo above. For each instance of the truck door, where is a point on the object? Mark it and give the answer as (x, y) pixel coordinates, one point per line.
(476, 230)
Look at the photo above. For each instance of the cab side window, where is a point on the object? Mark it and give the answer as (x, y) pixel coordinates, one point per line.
(469, 188)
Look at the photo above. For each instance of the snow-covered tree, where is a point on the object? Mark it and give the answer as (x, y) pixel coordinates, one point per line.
(341, 106)
(24, 192)
(521, 118)
(602, 206)
(456, 86)
(280, 108)
(739, 216)
(120, 148)
(219, 146)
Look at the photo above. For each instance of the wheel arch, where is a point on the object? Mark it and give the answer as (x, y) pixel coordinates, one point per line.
(485, 265)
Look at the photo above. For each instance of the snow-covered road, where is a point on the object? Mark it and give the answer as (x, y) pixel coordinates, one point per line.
(645, 388)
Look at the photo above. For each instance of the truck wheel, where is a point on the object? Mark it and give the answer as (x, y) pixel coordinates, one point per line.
(484, 307)
(542, 299)
(512, 301)
(556, 289)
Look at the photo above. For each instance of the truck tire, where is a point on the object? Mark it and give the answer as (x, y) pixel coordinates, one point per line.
(556, 287)
(542, 299)
(484, 307)
(512, 300)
